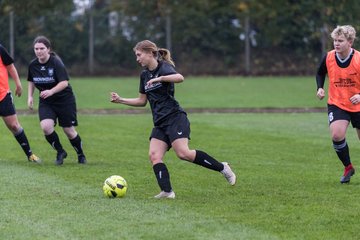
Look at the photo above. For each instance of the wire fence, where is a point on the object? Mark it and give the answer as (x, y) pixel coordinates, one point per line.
(101, 42)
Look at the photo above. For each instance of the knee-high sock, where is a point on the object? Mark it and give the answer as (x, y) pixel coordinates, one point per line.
(23, 141)
(77, 145)
(342, 150)
(205, 160)
(162, 176)
(54, 141)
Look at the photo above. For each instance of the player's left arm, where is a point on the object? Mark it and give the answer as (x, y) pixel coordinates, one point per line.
(61, 75)
(14, 75)
(355, 99)
(175, 78)
(58, 88)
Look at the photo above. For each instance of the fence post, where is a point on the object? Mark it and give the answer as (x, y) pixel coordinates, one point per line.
(247, 45)
(168, 29)
(11, 33)
(91, 41)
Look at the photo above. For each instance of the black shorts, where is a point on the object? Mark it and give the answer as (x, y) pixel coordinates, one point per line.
(64, 113)
(175, 127)
(336, 113)
(7, 107)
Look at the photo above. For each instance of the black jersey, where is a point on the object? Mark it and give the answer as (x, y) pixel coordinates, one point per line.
(160, 94)
(5, 57)
(47, 75)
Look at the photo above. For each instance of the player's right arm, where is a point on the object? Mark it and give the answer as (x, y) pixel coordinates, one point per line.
(140, 101)
(320, 78)
(31, 89)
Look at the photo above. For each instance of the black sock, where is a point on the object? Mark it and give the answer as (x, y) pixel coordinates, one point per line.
(23, 141)
(77, 145)
(162, 176)
(203, 159)
(54, 141)
(342, 150)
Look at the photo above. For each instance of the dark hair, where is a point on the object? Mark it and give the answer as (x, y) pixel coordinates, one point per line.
(161, 54)
(42, 39)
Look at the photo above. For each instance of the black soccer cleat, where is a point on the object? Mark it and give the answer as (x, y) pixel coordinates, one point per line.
(60, 156)
(348, 173)
(82, 159)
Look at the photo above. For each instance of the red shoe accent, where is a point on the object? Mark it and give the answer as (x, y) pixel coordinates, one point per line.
(347, 169)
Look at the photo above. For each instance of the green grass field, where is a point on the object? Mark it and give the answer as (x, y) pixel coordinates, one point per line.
(201, 92)
(288, 174)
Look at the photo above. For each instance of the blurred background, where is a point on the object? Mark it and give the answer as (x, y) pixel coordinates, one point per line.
(206, 37)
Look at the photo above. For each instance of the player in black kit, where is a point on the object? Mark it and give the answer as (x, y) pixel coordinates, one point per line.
(171, 125)
(56, 99)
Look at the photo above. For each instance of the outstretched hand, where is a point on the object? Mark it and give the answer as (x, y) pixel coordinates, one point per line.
(114, 97)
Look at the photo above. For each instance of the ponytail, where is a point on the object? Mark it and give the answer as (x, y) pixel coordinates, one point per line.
(165, 55)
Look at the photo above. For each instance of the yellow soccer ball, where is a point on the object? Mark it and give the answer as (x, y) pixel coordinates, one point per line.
(115, 186)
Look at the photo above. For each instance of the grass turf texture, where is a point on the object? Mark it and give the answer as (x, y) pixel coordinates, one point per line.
(288, 174)
(288, 182)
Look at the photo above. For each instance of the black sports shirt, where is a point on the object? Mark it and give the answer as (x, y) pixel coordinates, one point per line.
(47, 75)
(160, 94)
(6, 59)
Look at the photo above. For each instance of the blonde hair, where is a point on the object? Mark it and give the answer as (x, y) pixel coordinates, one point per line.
(347, 30)
(161, 54)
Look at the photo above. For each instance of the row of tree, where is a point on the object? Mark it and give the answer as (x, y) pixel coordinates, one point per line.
(222, 37)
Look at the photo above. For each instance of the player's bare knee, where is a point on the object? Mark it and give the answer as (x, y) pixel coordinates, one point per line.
(70, 132)
(14, 127)
(337, 137)
(154, 157)
(183, 155)
(47, 130)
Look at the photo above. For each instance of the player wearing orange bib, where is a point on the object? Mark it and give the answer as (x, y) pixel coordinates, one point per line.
(342, 65)
(7, 108)
(344, 82)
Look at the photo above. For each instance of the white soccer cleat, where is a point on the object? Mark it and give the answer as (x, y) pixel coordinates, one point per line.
(229, 174)
(162, 194)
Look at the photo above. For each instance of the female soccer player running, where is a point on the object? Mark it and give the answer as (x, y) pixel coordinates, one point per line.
(7, 108)
(171, 125)
(342, 65)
